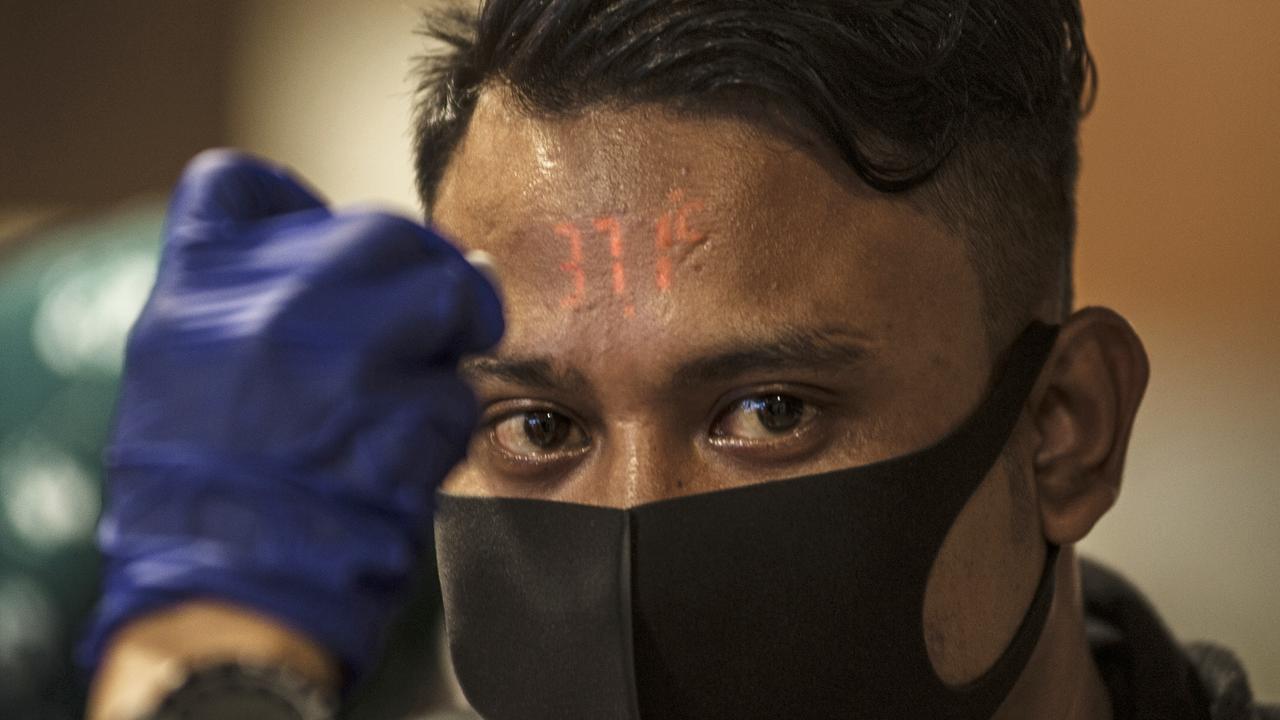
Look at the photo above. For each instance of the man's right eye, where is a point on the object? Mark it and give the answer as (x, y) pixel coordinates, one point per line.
(538, 435)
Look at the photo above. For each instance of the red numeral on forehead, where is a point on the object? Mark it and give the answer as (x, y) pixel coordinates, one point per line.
(673, 229)
(663, 241)
(574, 266)
(612, 227)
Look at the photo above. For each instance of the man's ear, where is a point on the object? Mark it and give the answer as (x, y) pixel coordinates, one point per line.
(1083, 412)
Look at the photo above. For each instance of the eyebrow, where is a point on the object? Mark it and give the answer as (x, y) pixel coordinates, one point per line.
(533, 372)
(793, 349)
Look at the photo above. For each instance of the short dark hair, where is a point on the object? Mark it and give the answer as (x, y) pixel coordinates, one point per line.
(970, 108)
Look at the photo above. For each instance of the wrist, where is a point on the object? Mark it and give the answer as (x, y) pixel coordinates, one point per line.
(240, 690)
(150, 657)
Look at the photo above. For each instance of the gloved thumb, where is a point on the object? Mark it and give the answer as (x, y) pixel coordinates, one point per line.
(221, 185)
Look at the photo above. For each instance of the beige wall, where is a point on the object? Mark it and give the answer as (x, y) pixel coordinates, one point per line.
(323, 86)
(1180, 231)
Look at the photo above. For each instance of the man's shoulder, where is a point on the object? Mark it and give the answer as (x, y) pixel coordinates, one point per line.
(1147, 671)
(1226, 684)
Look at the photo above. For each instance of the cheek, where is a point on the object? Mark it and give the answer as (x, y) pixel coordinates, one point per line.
(983, 579)
(468, 477)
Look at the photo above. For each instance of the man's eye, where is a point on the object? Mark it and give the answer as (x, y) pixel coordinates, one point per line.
(538, 433)
(762, 418)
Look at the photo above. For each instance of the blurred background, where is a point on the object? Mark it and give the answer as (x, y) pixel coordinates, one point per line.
(104, 102)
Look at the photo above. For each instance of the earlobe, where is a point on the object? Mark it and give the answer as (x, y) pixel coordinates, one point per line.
(1084, 411)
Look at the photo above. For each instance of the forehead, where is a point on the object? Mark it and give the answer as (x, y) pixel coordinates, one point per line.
(514, 169)
(639, 225)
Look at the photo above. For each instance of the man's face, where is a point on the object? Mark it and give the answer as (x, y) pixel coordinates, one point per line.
(696, 304)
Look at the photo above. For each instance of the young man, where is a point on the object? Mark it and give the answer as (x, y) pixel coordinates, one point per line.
(792, 415)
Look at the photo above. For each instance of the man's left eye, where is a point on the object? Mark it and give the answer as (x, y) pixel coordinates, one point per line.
(762, 418)
(538, 434)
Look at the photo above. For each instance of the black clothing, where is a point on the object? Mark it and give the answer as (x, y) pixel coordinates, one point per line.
(1151, 677)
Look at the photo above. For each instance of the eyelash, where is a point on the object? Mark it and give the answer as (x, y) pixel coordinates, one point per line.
(724, 408)
(501, 412)
(498, 413)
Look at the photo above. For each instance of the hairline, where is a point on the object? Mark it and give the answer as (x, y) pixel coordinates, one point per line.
(929, 198)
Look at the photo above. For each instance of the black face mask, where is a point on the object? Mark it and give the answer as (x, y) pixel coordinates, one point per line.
(789, 599)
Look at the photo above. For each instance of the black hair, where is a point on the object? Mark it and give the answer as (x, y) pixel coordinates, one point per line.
(969, 108)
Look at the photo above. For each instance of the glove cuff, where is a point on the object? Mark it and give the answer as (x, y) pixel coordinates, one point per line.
(333, 570)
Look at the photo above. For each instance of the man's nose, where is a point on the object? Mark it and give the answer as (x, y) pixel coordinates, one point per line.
(645, 465)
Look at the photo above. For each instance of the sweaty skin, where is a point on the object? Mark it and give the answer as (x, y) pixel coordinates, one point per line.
(792, 280)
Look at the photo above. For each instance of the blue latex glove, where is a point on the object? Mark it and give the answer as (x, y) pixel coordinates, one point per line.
(289, 406)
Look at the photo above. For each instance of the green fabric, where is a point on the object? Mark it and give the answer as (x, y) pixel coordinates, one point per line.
(67, 298)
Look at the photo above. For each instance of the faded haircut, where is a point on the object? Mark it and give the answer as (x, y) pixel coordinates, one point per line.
(970, 109)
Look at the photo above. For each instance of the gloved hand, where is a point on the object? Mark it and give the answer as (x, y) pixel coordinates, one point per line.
(289, 406)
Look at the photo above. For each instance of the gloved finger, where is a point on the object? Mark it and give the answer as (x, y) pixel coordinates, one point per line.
(488, 267)
(488, 323)
(415, 295)
(227, 185)
(449, 310)
(458, 293)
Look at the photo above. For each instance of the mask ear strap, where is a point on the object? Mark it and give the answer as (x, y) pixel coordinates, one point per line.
(977, 444)
(1024, 362)
(951, 470)
(995, 420)
(973, 448)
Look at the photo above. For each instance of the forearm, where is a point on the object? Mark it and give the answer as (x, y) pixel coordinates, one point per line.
(151, 656)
